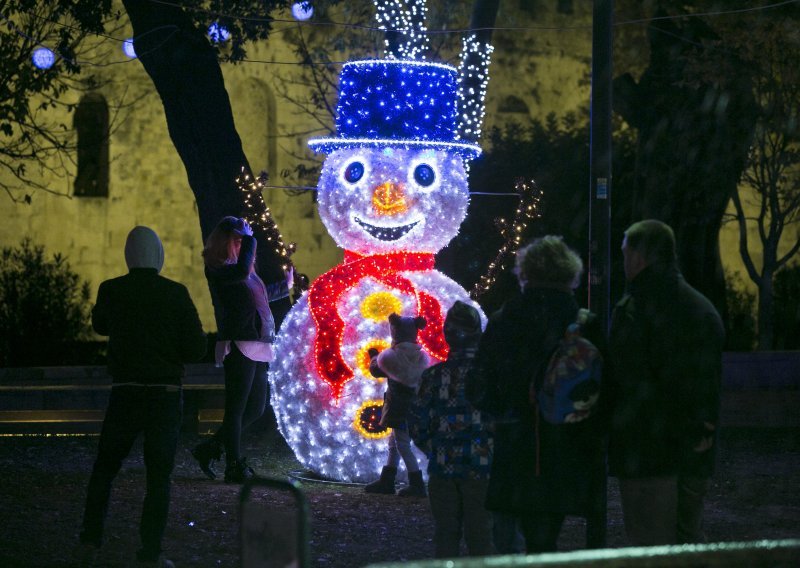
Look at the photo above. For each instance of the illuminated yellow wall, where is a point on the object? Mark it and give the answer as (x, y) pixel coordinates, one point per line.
(148, 183)
(533, 73)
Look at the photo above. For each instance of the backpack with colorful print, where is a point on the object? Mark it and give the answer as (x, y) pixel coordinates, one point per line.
(568, 390)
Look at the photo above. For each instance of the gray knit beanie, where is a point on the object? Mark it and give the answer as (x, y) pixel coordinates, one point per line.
(143, 249)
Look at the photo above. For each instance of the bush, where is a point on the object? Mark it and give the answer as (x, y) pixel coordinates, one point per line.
(740, 326)
(44, 308)
(787, 308)
(554, 153)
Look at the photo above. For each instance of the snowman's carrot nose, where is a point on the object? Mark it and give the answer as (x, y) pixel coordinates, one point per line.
(389, 199)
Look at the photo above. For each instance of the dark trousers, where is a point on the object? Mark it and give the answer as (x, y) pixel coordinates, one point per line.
(541, 529)
(507, 535)
(664, 510)
(458, 508)
(245, 399)
(691, 493)
(132, 410)
(650, 509)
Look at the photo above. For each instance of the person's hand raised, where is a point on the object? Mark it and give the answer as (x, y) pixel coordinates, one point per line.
(245, 227)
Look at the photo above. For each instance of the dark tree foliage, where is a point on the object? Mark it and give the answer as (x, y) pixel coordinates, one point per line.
(768, 198)
(787, 308)
(171, 43)
(311, 91)
(44, 307)
(28, 138)
(555, 154)
(740, 321)
(693, 138)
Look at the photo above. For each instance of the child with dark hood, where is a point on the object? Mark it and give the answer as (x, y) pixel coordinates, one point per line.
(458, 441)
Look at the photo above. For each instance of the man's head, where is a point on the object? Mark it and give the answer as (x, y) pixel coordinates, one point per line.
(143, 249)
(548, 262)
(647, 242)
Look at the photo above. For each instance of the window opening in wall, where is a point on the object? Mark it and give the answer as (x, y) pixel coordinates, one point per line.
(91, 126)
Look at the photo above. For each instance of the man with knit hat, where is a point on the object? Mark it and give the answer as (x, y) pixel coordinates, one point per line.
(457, 440)
(153, 329)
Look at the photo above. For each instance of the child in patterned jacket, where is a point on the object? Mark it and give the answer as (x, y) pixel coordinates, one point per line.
(457, 440)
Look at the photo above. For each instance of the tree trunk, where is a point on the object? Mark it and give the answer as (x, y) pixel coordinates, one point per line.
(765, 316)
(188, 78)
(484, 15)
(691, 150)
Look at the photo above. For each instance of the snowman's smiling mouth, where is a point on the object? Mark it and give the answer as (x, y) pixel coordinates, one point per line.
(386, 233)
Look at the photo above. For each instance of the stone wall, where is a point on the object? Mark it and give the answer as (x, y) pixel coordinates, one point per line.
(759, 390)
(540, 65)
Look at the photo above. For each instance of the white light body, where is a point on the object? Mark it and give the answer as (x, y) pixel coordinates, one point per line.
(318, 427)
(43, 58)
(218, 33)
(302, 11)
(128, 49)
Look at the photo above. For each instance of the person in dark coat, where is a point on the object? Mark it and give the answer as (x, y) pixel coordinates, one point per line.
(153, 329)
(666, 349)
(246, 331)
(457, 440)
(567, 476)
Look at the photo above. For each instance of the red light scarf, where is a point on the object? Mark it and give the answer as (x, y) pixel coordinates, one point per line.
(326, 290)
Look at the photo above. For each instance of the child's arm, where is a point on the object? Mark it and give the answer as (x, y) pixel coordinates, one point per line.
(374, 369)
(419, 414)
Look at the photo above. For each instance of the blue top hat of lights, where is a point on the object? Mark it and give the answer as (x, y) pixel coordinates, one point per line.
(397, 103)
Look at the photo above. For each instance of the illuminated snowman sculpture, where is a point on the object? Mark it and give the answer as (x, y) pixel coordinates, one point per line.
(392, 192)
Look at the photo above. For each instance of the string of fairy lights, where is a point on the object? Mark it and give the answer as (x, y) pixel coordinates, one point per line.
(528, 210)
(513, 232)
(474, 70)
(260, 217)
(43, 57)
(405, 18)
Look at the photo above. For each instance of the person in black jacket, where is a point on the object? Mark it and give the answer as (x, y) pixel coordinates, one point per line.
(541, 472)
(246, 331)
(666, 348)
(153, 329)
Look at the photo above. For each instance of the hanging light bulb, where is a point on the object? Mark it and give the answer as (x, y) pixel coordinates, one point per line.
(302, 11)
(43, 58)
(127, 48)
(218, 33)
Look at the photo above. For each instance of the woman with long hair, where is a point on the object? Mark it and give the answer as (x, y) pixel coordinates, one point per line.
(246, 331)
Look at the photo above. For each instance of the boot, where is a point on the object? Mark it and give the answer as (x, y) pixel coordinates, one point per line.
(416, 487)
(384, 484)
(206, 453)
(238, 471)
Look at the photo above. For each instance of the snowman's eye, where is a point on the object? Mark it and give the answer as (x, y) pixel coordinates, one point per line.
(424, 175)
(354, 172)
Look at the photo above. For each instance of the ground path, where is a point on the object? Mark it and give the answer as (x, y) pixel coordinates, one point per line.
(755, 495)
